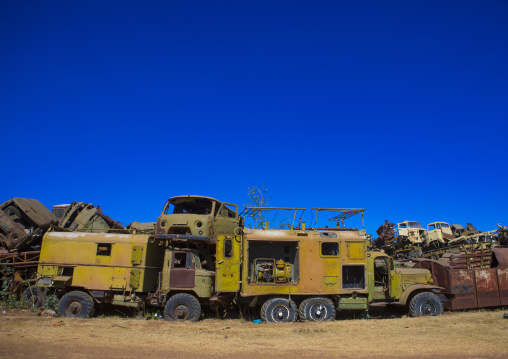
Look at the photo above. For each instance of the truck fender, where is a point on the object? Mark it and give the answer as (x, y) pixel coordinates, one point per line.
(418, 288)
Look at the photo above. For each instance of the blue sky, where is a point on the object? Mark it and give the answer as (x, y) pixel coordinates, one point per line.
(399, 107)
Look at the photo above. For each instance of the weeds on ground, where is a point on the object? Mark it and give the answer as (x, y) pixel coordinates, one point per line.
(10, 299)
(51, 302)
(153, 313)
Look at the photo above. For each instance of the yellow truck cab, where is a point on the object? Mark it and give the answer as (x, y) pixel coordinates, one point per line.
(410, 233)
(438, 234)
(197, 217)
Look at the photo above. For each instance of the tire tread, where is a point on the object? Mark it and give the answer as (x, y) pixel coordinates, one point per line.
(190, 301)
(416, 302)
(269, 302)
(87, 303)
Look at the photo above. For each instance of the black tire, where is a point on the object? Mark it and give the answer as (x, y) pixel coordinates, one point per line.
(182, 307)
(425, 304)
(76, 304)
(279, 310)
(33, 297)
(317, 309)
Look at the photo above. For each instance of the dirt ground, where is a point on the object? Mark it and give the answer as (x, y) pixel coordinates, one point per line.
(481, 334)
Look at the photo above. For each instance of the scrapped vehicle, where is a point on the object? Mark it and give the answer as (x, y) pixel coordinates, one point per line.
(459, 231)
(286, 274)
(23, 222)
(143, 227)
(475, 280)
(59, 210)
(438, 234)
(81, 216)
(410, 232)
(197, 217)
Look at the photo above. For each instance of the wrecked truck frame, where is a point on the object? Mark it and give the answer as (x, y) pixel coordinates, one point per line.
(475, 280)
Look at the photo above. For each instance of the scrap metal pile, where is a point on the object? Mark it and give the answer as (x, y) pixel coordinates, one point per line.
(409, 239)
(24, 221)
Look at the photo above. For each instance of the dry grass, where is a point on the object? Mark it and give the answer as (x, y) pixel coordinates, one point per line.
(470, 334)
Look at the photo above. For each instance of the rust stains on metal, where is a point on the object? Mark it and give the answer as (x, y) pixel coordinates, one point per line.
(473, 285)
(23, 221)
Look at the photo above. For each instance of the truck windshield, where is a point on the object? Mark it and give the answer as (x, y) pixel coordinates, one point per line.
(414, 225)
(190, 205)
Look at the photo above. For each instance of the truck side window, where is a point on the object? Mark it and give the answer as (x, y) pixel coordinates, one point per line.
(197, 261)
(228, 248)
(104, 249)
(180, 260)
(329, 249)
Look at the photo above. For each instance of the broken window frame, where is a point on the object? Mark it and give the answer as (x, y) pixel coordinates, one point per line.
(105, 251)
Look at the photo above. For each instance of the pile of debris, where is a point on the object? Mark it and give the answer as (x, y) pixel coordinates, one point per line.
(409, 239)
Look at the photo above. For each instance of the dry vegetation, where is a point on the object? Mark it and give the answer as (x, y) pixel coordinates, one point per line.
(470, 334)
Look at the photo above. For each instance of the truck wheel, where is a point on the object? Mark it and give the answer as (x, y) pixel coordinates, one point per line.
(277, 310)
(33, 297)
(181, 307)
(76, 304)
(317, 309)
(425, 304)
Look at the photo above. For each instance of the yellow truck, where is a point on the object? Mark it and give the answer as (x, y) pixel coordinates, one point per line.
(286, 274)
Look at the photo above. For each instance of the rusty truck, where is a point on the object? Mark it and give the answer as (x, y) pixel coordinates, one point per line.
(23, 222)
(285, 274)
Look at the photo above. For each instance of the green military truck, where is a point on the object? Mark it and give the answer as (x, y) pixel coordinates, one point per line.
(286, 274)
(197, 218)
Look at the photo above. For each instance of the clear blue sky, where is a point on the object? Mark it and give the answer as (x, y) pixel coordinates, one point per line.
(399, 107)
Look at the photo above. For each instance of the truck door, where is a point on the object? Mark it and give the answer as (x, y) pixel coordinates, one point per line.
(395, 283)
(183, 271)
(227, 267)
(226, 219)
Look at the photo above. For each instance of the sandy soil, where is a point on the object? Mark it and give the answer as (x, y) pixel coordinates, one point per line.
(482, 334)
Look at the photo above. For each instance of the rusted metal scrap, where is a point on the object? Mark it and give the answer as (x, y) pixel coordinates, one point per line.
(385, 233)
(143, 227)
(476, 280)
(85, 217)
(23, 222)
(502, 235)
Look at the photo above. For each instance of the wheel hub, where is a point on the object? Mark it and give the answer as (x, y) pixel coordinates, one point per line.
(280, 314)
(428, 309)
(318, 312)
(74, 308)
(181, 312)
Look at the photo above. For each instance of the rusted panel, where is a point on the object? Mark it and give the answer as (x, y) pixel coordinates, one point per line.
(462, 285)
(473, 288)
(487, 288)
(440, 275)
(183, 271)
(500, 257)
(502, 278)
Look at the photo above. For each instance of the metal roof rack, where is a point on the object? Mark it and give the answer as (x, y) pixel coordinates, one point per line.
(344, 213)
